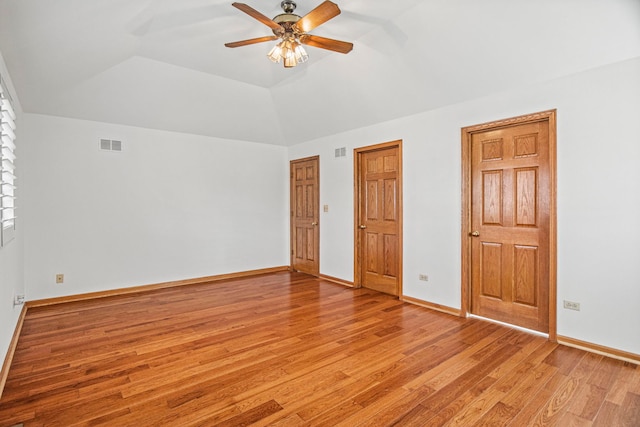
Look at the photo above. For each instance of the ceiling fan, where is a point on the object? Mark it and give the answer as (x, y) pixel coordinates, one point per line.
(292, 30)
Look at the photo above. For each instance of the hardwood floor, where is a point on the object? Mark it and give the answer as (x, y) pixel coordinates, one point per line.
(287, 349)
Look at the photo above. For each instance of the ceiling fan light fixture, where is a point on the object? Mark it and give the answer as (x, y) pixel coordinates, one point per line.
(301, 54)
(290, 62)
(275, 54)
(290, 51)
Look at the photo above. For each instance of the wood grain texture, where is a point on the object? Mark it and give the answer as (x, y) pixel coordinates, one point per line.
(431, 305)
(378, 217)
(290, 349)
(509, 198)
(336, 280)
(11, 350)
(305, 215)
(595, 348)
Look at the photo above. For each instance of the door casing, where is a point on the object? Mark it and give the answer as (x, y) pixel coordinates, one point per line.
(358, 246)
(467, 132)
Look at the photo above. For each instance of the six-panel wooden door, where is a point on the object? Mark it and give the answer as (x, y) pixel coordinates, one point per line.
(378, 218)
(510, 223)
(305, 212)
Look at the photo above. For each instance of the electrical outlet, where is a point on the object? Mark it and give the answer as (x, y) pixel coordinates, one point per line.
(59, 278)
(423, 277)
(18, 299)
(570, 305)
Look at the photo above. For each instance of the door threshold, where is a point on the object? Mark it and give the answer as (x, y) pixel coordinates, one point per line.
(509, 325)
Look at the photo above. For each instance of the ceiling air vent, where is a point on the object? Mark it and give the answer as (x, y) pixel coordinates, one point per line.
(110, 145)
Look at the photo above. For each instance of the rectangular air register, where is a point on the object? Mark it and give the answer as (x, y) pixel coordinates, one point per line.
(110, 145)
(341, 152)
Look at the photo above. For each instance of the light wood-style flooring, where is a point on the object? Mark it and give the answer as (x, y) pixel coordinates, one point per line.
(287, 349)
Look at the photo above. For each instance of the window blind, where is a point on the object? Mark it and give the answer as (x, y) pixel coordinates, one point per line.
(7, 165)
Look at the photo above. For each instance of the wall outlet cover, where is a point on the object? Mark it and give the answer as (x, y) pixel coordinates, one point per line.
(570, 305)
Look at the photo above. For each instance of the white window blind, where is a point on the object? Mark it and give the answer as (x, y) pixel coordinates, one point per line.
(7, 166)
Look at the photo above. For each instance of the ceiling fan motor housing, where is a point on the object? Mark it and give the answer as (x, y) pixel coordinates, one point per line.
(286, 20)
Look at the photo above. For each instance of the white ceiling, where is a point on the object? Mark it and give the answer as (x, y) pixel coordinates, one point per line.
(162, 63)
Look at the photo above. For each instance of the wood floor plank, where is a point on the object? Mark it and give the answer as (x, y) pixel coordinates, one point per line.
(623, 383)
(631, 410)
(511, 389)
(609, 415)
(287, 349)
(556, 406)
(571, 420)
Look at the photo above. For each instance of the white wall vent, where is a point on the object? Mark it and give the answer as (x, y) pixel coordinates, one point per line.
(110, 145)
(341, 152)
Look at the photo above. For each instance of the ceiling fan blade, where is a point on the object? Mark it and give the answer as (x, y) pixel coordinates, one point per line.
(257, 15)
(325, 43)
(317, 16)
(251, 41)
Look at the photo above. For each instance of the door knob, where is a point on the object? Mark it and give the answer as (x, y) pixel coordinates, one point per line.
(314, 223)
(475, 233)
(362, 227)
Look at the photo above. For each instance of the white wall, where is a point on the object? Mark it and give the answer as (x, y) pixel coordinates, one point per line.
(598, 197)
(11, 256)
(173, 206)
(170, 206)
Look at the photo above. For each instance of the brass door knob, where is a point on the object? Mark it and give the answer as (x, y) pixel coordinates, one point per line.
(314, 223)
(362, 227)
(475, 233)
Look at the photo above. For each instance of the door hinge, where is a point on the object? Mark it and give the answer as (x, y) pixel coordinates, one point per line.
(291, 251)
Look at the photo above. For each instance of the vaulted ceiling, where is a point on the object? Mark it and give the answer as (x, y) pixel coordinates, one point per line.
(162, 64)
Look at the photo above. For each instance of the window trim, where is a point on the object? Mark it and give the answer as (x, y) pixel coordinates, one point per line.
(7, 166)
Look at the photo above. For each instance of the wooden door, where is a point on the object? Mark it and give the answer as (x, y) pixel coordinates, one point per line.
(379, 217)
(305, 213)
(510, 223)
